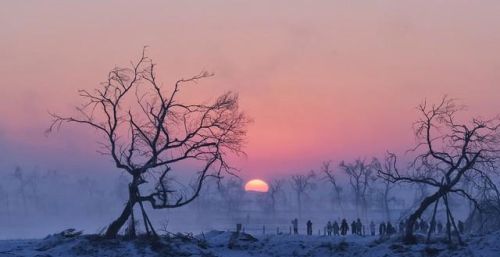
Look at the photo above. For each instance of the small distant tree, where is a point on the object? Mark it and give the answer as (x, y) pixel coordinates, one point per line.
(387, 186)
(275, 189)
(360, 174)
(22, 185)
(329, 176)
(448, 152)
(301, 184)
(149, 132)
(232, 192)
(27, 187)
(4, 200)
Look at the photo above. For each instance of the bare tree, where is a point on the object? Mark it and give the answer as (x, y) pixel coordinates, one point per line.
(232, 193)
(4, 200)
(301, 184)
(147, 131)
(387, 186)
(360, 174)
(333, 180)
(448, 151)
(275, 189)
(27, 187)
(22, 185)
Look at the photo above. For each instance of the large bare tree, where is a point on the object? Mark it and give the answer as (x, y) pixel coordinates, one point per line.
(149, 133)
(447, 152)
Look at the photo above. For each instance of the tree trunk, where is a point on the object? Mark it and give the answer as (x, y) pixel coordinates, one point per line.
(116, 225)
(409, 238)
(386, 209)
(433, 222)
(356, 202)
(448, 211)
(386, 203)
(299, 199)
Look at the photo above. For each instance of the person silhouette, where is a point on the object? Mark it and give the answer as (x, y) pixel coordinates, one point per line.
(329, 228)
(336, 228)
(372, 228)
(309, 228)
(295, 224)
(344, 227)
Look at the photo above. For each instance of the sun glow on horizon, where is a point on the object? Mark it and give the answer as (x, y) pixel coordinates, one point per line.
(256, 185)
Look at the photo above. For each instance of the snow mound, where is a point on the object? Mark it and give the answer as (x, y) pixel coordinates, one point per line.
(72, 243)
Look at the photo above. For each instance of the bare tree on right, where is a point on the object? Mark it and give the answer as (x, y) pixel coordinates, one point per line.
(448, 151)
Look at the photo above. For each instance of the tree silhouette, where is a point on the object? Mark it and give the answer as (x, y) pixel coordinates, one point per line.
(147, 130)
(360, 173)
(301, 184)
(447, 153)
(334, 182)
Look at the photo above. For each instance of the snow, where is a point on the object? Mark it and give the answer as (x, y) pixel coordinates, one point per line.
(221, 243)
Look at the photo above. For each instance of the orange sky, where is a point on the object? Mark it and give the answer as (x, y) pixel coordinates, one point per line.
(322, 79)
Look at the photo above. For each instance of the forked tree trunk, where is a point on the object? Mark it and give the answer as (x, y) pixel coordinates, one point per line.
(133, 198)
(116, 225)
(409, 238)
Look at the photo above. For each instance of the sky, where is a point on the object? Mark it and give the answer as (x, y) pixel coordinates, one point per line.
(322, 80)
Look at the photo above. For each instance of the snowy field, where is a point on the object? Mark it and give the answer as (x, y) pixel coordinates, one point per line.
(218, 243)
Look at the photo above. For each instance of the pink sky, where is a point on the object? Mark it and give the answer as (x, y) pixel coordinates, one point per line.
(322, 79)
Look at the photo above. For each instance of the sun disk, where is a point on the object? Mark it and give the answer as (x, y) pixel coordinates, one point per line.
(257, 185)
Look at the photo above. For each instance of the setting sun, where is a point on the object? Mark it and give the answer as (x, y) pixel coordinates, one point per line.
(256, 185)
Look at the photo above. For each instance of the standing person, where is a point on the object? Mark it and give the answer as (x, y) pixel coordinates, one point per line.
(402, 226)
(417, 226)
(329, 228)
(295, 224)
(440, 227)
(336, 228)
(423, 226)
(359, 227)
(432, 228)
(344, 227)
(381, 229)
(372, 228)
(460, 227)
(389, 229)
(309, 228)
(353, 227)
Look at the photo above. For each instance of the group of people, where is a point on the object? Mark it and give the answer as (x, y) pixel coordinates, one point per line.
(334, 228)
(295, 225)
(356, 227)
(437, 227)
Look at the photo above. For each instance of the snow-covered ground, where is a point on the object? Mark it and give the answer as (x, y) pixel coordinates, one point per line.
(218, 243)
